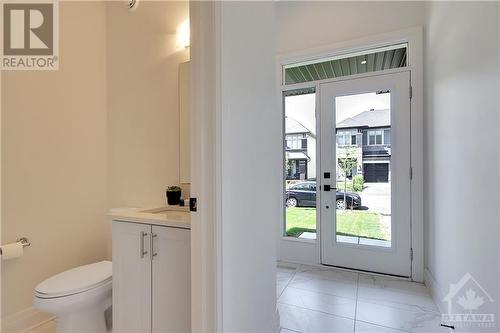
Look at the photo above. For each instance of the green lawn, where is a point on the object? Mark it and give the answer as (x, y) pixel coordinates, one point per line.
(350, 223)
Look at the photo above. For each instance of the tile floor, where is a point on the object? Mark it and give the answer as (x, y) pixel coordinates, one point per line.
(312, 299)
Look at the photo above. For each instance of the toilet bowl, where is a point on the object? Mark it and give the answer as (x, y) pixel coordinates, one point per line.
(79, 298)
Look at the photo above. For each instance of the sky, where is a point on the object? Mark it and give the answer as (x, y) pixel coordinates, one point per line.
(301, 107)
(349, 106)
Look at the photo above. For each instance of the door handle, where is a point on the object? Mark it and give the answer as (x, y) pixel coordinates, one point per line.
(328, 188)
(143, 237)
(153, 253)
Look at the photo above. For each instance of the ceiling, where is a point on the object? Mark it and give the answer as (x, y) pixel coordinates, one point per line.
(321, 70)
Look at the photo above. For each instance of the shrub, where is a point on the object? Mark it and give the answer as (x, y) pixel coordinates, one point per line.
(358, 183)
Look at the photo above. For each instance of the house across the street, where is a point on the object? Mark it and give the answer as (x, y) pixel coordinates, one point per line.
(366, 137)
(300, 151)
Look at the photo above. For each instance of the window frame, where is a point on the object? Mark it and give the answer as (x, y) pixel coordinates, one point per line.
(368, 135)
(348, 133)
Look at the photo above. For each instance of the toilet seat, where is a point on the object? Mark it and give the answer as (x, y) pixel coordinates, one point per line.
(75, 281)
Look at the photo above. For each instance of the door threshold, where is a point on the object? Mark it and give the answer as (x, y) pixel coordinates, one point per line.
(401, 277)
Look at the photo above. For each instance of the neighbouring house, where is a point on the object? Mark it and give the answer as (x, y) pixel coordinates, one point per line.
(300, 151)
(366, 137)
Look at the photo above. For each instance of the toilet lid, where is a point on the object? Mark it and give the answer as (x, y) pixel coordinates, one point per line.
(76, 280)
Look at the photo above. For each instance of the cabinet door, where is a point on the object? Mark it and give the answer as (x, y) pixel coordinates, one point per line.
(131, 277)
(171, 280)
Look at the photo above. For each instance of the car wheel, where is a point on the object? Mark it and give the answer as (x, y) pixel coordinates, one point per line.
(291, 202)
(340, 204)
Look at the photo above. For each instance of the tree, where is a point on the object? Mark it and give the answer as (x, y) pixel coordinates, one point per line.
(346, 164)
(288, 164)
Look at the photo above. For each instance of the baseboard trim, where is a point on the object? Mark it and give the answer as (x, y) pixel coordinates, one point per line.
(437, 292)
(275, 325)
(25, 320)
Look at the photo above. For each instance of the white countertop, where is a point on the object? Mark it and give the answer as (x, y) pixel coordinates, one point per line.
(173, 216)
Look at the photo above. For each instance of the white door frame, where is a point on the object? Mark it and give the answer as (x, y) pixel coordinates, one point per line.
(300, 251)
(1, 31)
(206, 266)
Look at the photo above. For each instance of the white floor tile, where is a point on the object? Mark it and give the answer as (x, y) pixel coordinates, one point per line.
(280, 287)
(362, 327)
(400, 293)
(309, 321)
(283, 277)
(327, 273)
(284, 274)
(327, 300)
(431, 326)
(395, 317)
(340, 306)
(284, 330)
(338, 283)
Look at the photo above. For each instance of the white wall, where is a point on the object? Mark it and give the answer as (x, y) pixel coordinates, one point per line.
(250, 165)
(143, 100)
(305, 24)
(462, 144)
(54, 187)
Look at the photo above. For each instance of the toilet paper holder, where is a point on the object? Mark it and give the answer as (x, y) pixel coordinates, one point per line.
(23, 240)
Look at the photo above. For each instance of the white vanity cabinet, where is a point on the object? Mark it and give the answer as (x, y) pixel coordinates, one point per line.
(151, 278)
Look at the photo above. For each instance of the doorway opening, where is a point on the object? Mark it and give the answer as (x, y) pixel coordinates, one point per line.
(363, 156)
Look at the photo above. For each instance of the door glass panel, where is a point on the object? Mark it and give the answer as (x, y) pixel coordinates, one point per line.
(363, 159)
(300, 163)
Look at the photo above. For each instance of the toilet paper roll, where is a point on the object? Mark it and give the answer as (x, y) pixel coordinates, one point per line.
(11, 251)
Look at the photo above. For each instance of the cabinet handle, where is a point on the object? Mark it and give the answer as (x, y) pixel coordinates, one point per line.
(143, 237)
(153, 252)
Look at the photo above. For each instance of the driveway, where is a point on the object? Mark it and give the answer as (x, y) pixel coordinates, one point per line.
(377, 197)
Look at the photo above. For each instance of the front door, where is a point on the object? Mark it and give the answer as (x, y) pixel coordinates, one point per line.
(365, 174)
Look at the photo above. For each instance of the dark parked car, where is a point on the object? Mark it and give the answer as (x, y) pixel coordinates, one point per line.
(304, 194)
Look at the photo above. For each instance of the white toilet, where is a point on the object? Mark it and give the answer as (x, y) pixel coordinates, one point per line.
(78, 297)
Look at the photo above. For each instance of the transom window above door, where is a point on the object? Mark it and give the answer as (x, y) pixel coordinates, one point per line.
(372, 60)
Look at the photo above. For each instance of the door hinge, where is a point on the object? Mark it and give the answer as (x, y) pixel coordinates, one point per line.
(411, 173)
(411, 92)
(411, 254)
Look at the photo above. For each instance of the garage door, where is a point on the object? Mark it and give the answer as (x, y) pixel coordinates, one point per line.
(376, 172)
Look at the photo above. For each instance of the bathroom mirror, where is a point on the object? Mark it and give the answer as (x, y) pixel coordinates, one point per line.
(185, 122)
